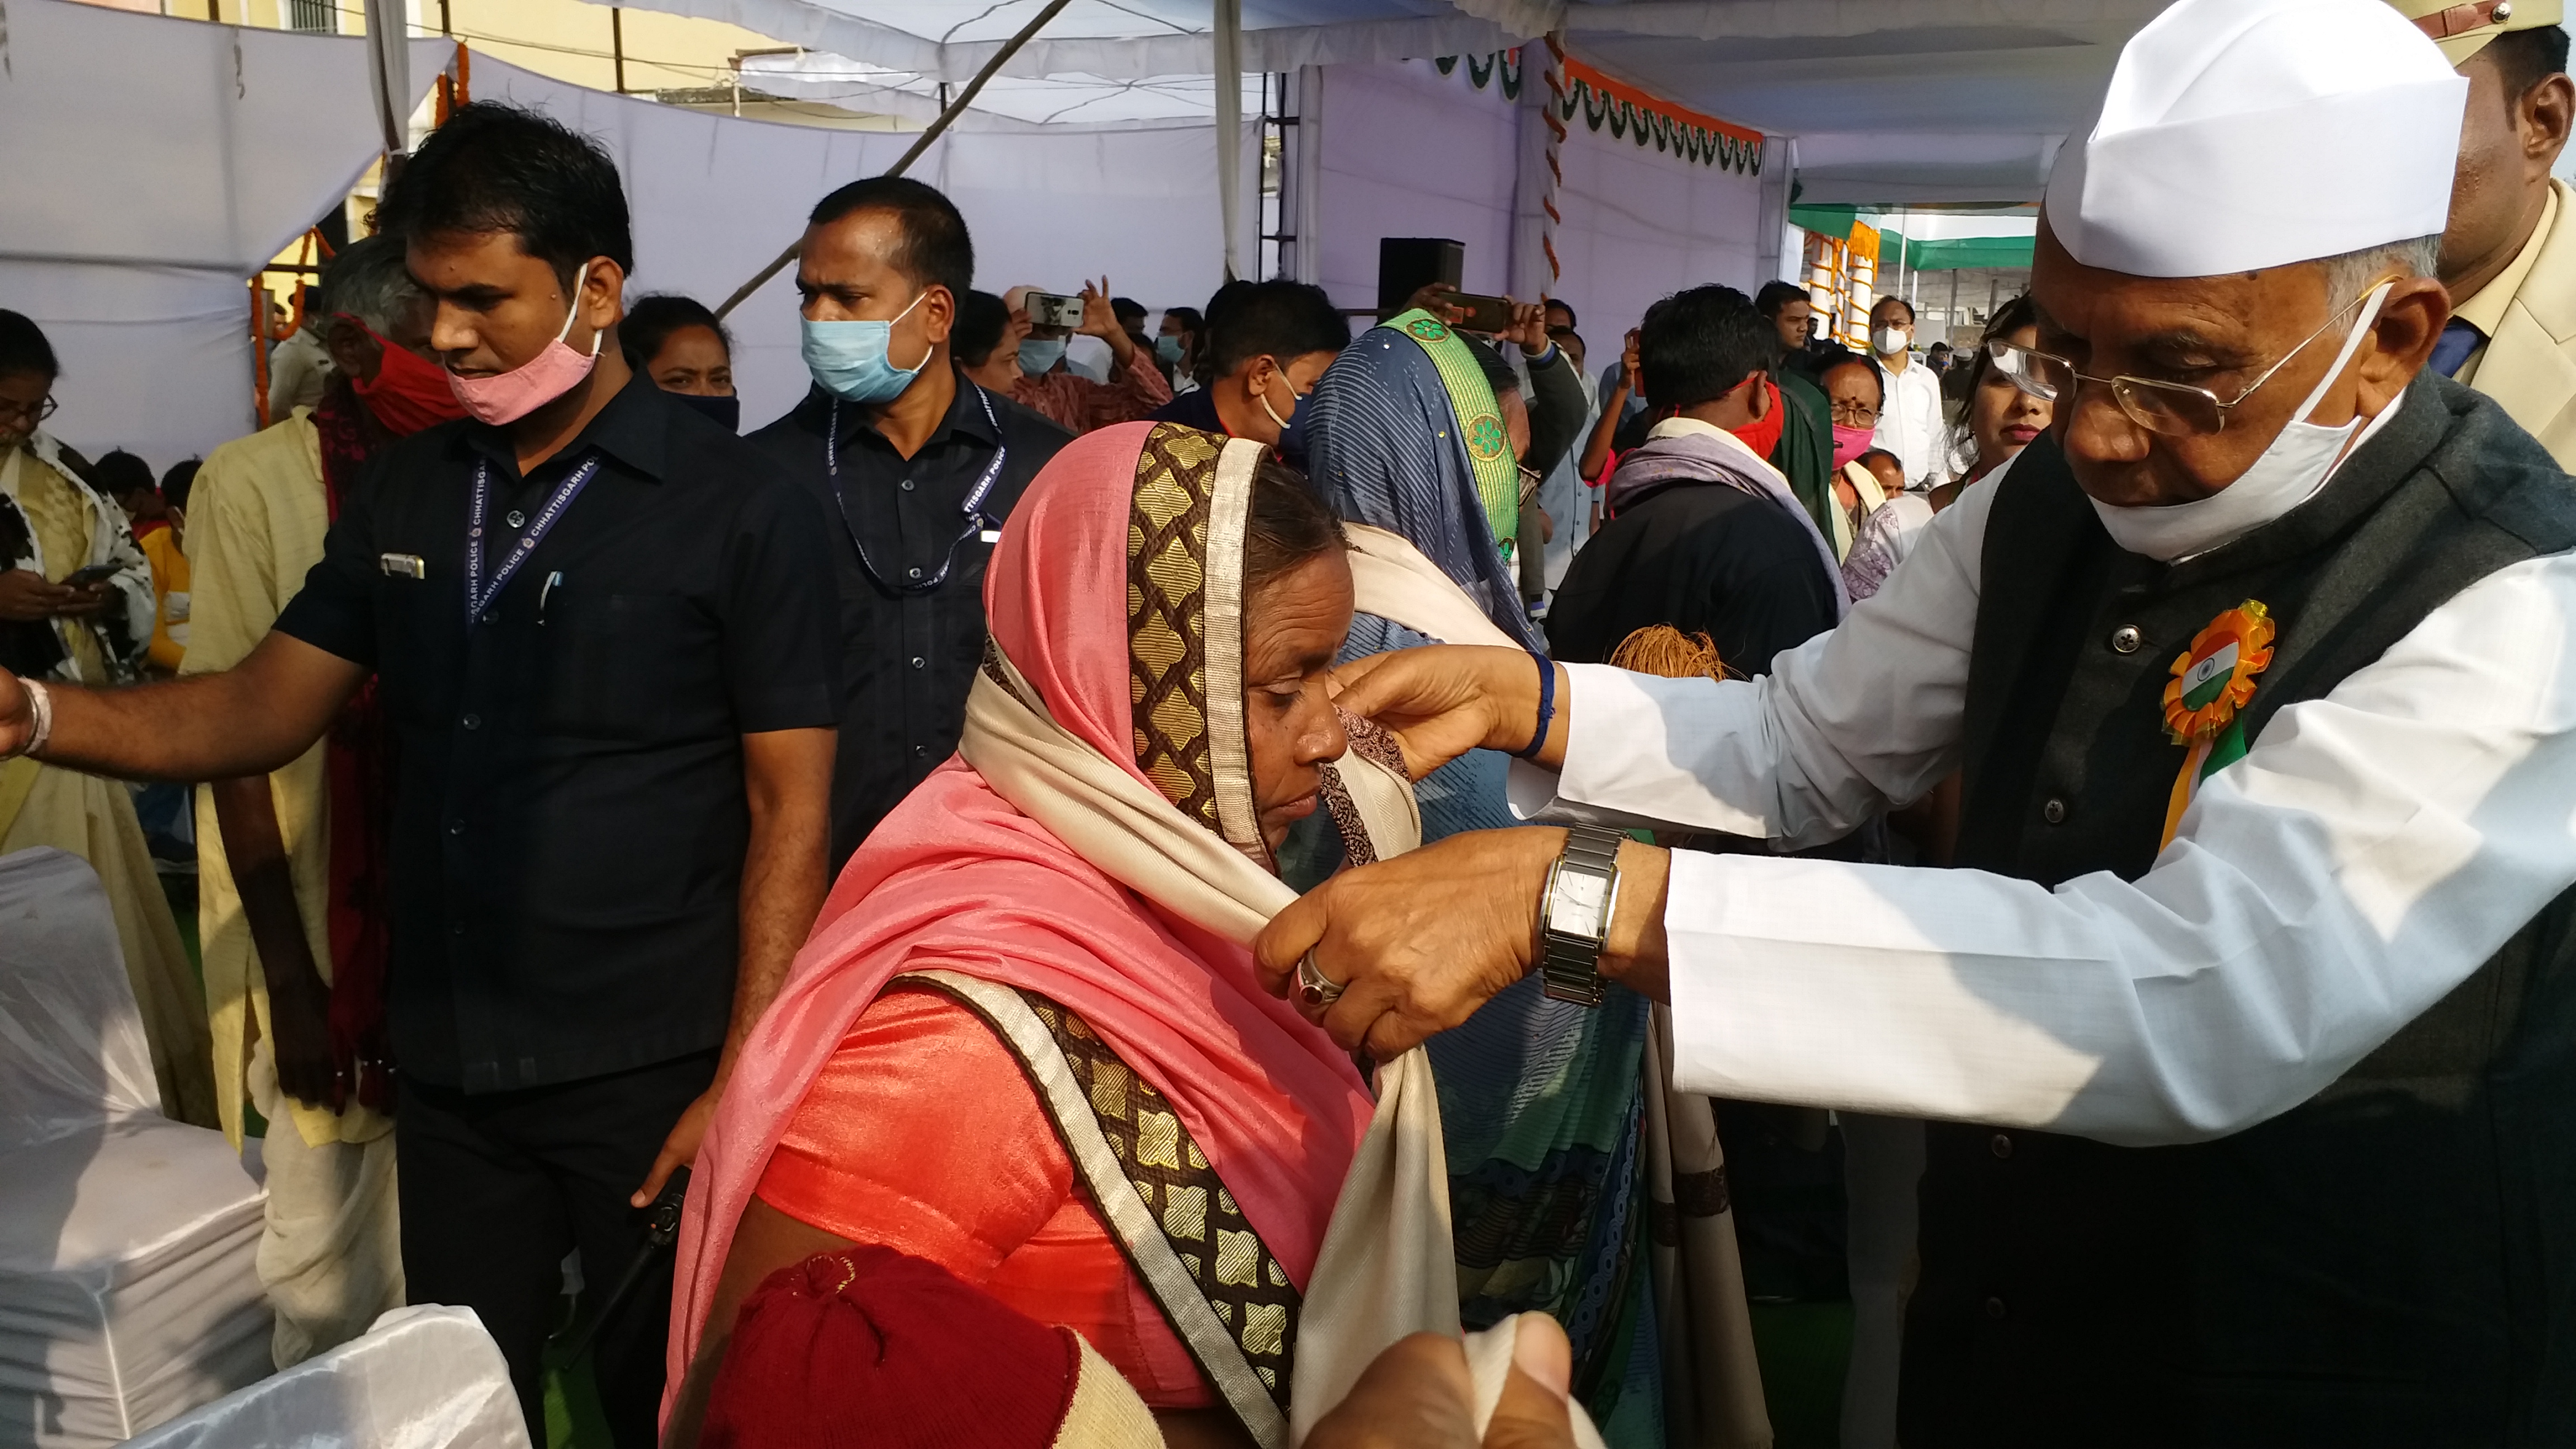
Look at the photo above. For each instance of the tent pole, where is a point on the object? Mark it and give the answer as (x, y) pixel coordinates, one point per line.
(955, 109)
(617, 43)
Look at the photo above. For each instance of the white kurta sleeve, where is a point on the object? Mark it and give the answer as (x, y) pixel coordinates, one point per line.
(2370, 851)
(1857, 718)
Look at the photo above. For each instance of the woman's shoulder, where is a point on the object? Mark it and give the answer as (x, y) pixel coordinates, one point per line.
(916, 1044)
(921, 1131)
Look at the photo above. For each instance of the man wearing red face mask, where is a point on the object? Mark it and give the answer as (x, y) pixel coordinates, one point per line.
(1705, 535)
(290, 899)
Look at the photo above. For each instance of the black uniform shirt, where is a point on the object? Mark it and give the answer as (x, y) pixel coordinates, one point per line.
(570, 816)
(909, 649)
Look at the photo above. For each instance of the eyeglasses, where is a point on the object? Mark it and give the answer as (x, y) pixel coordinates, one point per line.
(34, 412)
(2172, 408)
(1855, 414)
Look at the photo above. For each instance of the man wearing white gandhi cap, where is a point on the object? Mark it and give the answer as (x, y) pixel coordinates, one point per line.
(2249, 1034)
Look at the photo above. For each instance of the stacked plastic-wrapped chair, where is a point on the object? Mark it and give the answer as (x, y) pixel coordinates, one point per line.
(422, 1378)
(127, 1292)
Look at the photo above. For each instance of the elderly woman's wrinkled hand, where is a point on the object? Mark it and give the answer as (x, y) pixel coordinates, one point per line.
(1419, 941)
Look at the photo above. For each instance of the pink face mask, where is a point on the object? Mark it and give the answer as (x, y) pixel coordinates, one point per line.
(510, 396)
(1850, 442)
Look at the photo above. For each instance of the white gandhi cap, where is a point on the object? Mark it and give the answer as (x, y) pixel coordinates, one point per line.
(2240, 134)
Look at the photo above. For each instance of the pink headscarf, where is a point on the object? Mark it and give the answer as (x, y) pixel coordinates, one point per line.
(958, 878)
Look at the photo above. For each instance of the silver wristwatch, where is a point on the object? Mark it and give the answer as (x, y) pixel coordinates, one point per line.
(1574, 915)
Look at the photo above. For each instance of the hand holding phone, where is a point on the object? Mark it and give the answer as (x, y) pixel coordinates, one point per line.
(1050, 309)
(92, 576)
(1477, 313)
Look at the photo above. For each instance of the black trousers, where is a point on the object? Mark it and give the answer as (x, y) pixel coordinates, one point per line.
(497, 1187)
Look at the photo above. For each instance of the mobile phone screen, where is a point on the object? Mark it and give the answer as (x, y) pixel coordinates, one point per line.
(1047, 309)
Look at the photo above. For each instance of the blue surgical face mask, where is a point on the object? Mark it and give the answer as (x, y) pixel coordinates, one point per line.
(851, 361)
(1039, 355)
(1168, 349)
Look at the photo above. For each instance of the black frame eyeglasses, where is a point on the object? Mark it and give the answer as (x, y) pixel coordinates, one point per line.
(34, 413)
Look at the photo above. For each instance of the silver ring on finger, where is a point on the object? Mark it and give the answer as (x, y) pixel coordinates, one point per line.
(1314, 989)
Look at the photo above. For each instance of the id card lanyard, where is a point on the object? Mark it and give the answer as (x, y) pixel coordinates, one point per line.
(973, 507)
(478, 597)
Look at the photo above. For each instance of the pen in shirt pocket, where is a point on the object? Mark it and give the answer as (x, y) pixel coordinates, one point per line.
(553, 580)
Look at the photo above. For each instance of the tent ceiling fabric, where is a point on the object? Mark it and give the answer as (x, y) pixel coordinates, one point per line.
(1007, 103)
(1897, 101)
(949, 40)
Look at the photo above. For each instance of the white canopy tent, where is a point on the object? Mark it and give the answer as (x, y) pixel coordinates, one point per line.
(1894, 101)
(132, 228)
(1094, 149)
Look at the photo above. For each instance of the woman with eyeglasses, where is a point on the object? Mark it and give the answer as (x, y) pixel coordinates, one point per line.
(76, 604)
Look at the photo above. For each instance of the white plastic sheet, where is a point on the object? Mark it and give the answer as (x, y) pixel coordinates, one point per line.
(72, 1052)
(127, 1288)
(424, 1377)
(151, 166)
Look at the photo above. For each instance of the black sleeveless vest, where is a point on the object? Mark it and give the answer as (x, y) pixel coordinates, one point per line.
(2392, 1262)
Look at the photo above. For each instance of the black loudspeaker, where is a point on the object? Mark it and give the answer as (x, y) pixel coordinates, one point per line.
(1407, 264)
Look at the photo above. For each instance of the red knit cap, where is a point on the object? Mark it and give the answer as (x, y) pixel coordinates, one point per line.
(868, 1346)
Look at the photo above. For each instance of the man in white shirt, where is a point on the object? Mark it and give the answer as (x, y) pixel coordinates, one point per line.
(2265, 961)
(1909, 424)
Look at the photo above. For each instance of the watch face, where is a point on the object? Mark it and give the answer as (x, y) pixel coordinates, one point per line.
(1575, 907)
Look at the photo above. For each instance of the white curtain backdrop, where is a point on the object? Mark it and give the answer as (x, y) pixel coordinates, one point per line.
(151, 166)
(714, 198)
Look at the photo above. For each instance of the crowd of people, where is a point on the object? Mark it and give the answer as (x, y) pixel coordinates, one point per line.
(877, 836)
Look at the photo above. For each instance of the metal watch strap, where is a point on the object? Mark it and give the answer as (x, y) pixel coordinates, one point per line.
(1570, 965)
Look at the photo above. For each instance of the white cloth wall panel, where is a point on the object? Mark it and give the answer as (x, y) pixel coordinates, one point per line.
(1411, 152)
(154, 359)
(151, 165)
(1408, 151)
(1640, 223)
(714, 198)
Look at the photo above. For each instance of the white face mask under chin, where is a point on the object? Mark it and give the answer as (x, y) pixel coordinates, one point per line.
(2289, 473)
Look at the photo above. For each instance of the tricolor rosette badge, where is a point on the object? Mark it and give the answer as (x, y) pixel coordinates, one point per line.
(2212, 681)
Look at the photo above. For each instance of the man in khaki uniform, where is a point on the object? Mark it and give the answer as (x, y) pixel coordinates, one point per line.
(2509, 253)
(331, 1253)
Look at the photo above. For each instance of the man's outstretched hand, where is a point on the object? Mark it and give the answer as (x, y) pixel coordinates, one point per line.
(1443, 700)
